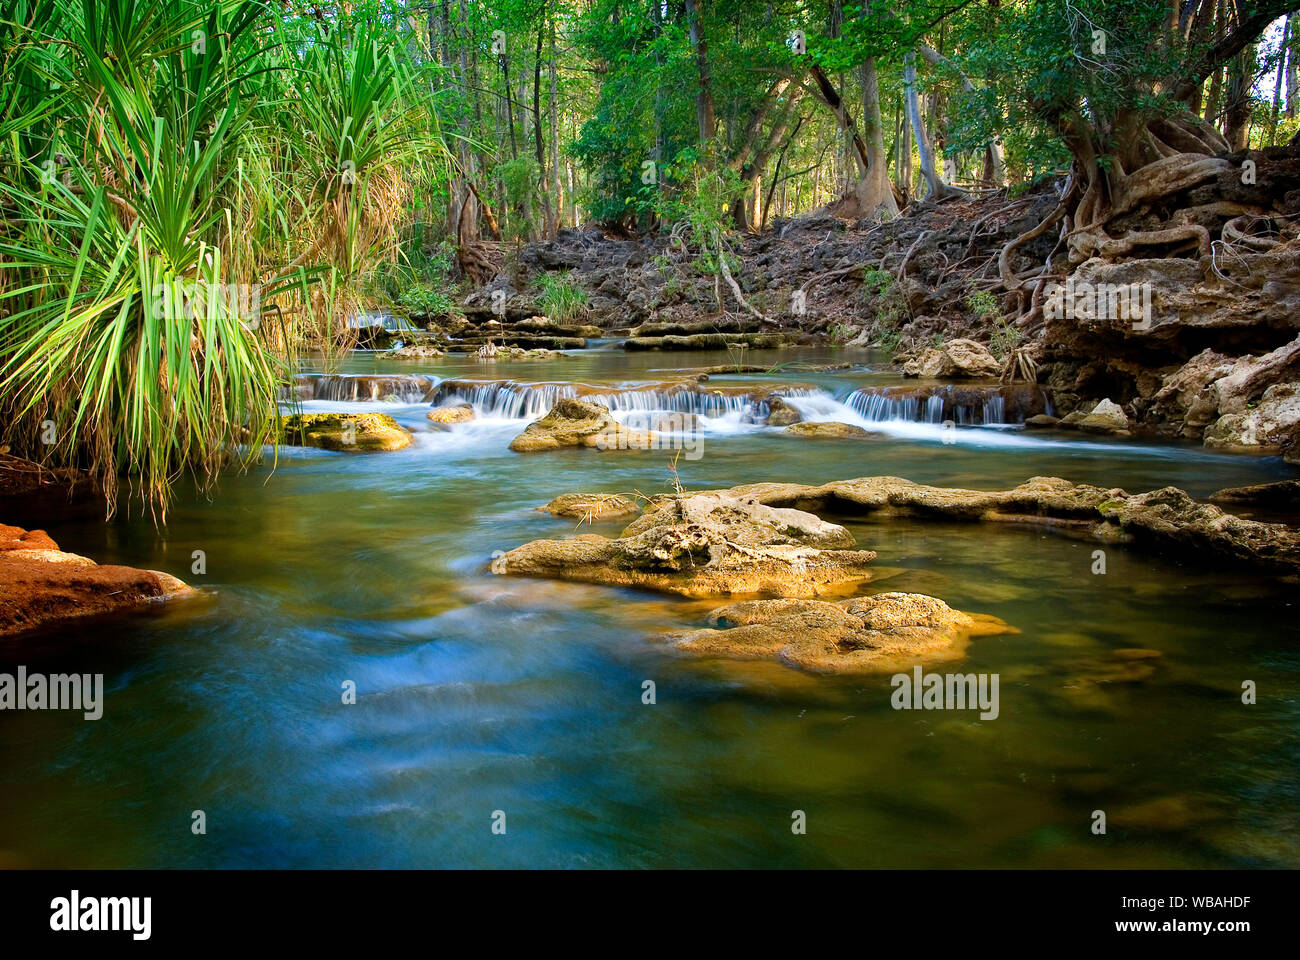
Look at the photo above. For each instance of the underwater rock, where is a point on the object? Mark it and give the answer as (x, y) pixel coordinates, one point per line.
(879, 634)
(458, 413)
(346, 432)
(705, 545)
(828, 429)
(41, 585)
(1283, 494)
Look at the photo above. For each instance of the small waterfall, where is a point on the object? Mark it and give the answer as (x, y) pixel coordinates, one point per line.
(504, 399)
(364, 387)
(508, 399)
(961, 404)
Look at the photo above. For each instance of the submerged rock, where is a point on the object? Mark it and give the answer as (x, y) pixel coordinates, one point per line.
(705, 545)
(956, 358)
(458, 413)
(1284, 494)
(828, 429)
(884, 633)
(42, 585)
(711, 341)
(345, 432)
(592, 506)
(579, 423)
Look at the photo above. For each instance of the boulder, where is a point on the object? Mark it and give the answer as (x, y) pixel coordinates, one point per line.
(458, 413)
(345, 432)
(885, 633)
(958, 358)
(1247, 405)
(1166, 520)
(1105, 417)
(415, 351)
(592, 506)
(1042, 421)
(1182, 402)
(41, 585)
(579, 423)
(705, 545)
(781, 413)
(1269, 427)
(830, 429)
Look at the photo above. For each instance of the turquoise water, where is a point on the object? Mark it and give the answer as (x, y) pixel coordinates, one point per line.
(479, 693)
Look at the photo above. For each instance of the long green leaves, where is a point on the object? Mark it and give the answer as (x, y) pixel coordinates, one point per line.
(172, 173)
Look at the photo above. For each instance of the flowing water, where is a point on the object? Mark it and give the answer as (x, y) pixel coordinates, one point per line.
(478, 693)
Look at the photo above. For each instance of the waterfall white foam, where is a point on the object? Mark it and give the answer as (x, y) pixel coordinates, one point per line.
(965, 405)
(513, 400)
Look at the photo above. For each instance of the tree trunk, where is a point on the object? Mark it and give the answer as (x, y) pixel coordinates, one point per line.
(935, 187)
(704, 101)
(1292, 73)
(543, 188)
(874, 191)
(994, 156)
(1283, 51)
(555, 144)
(1236, 123)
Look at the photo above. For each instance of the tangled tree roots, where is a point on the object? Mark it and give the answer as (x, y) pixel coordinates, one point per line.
(1183, 203)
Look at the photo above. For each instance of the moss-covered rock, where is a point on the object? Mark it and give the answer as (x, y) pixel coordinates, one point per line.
(828, 429)
(592, 506)
(706, 545)
(345, 432)
(459, 413)
(880, 634)
(579, 423)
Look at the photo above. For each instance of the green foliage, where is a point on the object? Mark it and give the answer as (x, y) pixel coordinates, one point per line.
(888, 308)
(984, 305)
(841, 333)
(424, 300)
(561, 299)
(165, 166)
(521, 177)
(1004, 339)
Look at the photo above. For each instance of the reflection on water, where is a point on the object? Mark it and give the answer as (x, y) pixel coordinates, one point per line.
(478, 693)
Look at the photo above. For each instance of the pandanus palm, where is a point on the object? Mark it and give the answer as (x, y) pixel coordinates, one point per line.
(161, 159)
